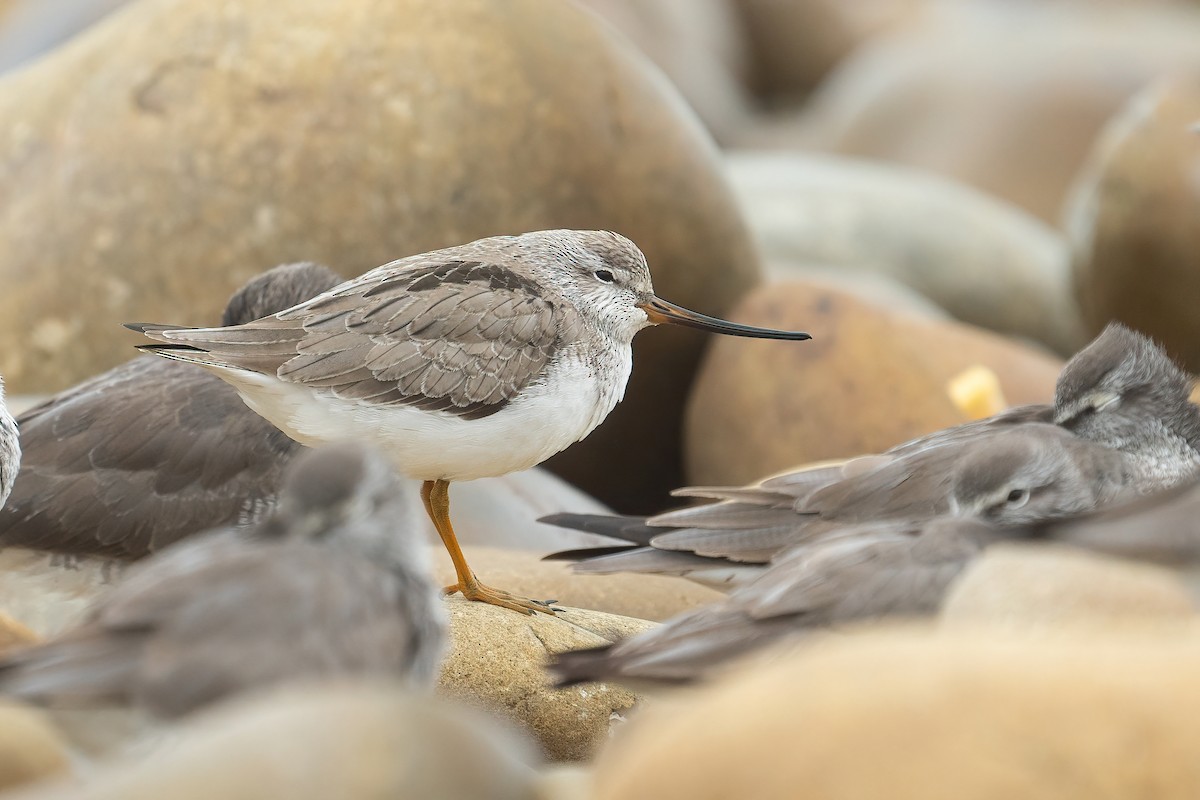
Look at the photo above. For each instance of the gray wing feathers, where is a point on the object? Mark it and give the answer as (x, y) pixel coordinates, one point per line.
(462, 337)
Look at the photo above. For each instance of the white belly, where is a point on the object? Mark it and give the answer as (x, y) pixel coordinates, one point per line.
(427, 445)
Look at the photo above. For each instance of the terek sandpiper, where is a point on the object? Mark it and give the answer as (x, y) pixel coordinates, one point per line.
(1121, 392)
(463, 363)
(152, 451)
(866, 569)
(336, 582)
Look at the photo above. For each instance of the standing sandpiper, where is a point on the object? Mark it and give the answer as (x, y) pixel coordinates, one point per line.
(469, 362)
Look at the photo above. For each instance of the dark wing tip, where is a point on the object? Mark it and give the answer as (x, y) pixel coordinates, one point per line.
(579, 666)
(584, 553)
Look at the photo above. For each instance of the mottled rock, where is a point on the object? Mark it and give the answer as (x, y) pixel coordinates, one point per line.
(1025, 588)
(310, 742)
(1006, 97)
(1132, 220)
(179, 147)
(868, 380)
(496, 660)
(915, 715)
(650, 597)
(984, 261)
(30, 748)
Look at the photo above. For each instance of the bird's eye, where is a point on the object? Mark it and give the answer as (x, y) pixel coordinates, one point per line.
(605, 276)
(1017, 498)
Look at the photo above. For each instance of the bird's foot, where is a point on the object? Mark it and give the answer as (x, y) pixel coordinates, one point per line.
(474, 590)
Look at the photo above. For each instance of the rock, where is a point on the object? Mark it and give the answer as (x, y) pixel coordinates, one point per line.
(13, 634)
(1006, 97)
(982, 260)
(915, 715)
(649, 597)
(794, 43)
(699, 45)
(1024, 588)
(868, 380)
(495, 663)
(310, 742)
(195, 144)
(30, 748)
(29, 28)
(1132, 216)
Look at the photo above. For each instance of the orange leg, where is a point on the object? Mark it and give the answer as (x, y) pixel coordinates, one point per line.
(436, 495)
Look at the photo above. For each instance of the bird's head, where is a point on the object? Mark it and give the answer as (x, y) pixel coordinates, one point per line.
(1018, 477)
(1119, 382)
(607, 278)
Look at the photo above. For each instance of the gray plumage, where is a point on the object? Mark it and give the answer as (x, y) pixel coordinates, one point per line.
(864, 572)
(1120, 392)
(334, 583)
(10, 449)
(153, 451)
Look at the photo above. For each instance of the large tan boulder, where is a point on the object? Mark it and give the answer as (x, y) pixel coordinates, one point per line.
(983, 260)
(1024, 588)
(1132, 219)
(868, 380)
(357, 742)
(649, 597)
(152, 165)
(917, 716)
(1006, 97)
(30, 748)
(496, 662)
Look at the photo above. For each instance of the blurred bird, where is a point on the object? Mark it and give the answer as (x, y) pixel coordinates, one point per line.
(867, 570)
(152, 451)
(334, 583)
(463, 363)
(10, 449)
(1120, 392)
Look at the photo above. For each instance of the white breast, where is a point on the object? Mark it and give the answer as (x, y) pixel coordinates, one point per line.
(574, 396)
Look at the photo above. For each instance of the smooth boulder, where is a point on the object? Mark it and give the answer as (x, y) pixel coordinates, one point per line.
(868, 380)
(913, 715)
(164, 156)
(1006, 97)
(984, 261)
(1132, 220)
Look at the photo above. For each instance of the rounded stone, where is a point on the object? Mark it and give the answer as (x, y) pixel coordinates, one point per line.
(317, 741)
(983, 260)
(910, 715)
(649, 597)
(794, 43)
(30, 748)
(167, 154)
(1025, 588)
(496, 663)
(1006, 97)
(868, 380)
(1132, 220)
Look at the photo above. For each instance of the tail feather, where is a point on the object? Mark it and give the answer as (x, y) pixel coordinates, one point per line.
(630, 529)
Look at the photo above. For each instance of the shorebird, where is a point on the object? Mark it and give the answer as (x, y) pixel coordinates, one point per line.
(10, 449)
(463, 363)
(1121, 392)
(152, 451)
(867, 570)
(334, 583)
